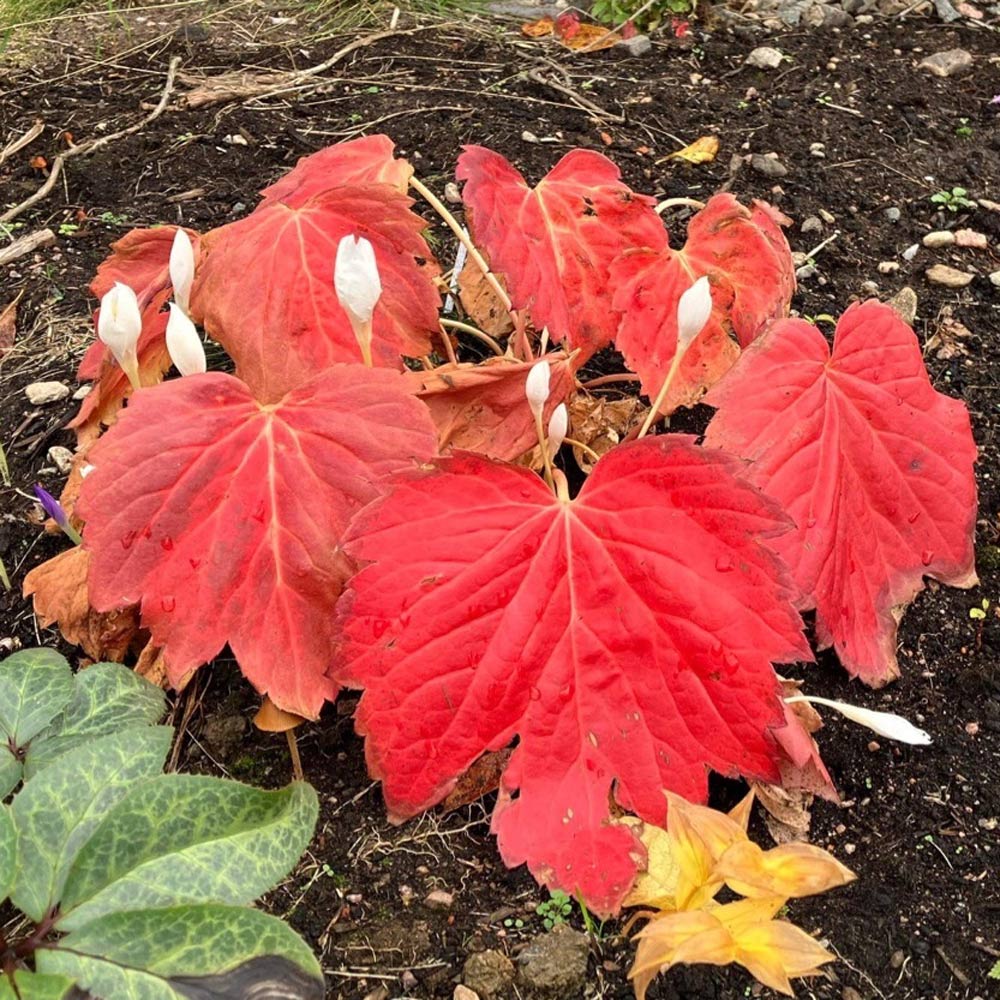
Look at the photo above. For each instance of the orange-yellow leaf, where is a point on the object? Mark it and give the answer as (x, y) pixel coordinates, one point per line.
(591, 37)
(538, 29)
(775, 951)
(702, 150)
(792, 870)
(657, 885)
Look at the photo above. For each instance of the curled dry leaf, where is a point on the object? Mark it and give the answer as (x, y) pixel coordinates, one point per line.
(702, 150)
(801, 766)
(788, 817)
(481, 303)
(8, 327)
(59, 589)
(152, 665)
(947, 339)
(540, 28)
(601, 423)
(482, 778)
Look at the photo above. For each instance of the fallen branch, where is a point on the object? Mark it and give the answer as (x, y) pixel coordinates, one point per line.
(25, 140)
(92, 145)
(24, 245)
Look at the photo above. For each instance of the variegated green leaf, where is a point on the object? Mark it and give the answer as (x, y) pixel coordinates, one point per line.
(106, 699)
(34, 986)
(184, 838)
(175, 953)
(57, 811)
(10, 771)
(8, 852)
(35, 686)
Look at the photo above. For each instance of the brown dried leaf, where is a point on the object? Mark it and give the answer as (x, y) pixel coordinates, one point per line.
(59, 589)
(481, 304)
(591, 37)
(538, 29)
(702, 150)
(947, 338)
(787, 812)
(8, 327)
(152, 665)
(601, 423)
(480, 779)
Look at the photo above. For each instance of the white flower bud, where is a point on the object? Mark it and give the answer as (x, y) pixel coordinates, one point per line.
(693, 312)
(182, 268)
(183, 343)
(558, 426)
(356, 279)
(887, 724)
(119, 324)
(536, 387)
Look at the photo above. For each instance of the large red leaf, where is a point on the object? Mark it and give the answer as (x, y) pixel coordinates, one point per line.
(747, 259)
(874, 466)
(265, 287)
(222, 516)
(555, 242)
(624, 637)
(367, 160)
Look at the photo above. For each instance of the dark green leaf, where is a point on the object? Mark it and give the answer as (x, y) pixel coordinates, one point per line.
(56, 811)
(164, 954)
(10, 771)
(35, 685)
(8, 852)
(185, 838)
(33, 986)
(107, 698)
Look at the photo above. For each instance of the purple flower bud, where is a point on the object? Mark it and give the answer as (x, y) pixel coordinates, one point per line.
(54, 509)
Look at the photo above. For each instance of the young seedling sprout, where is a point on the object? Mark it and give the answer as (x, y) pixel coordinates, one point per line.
(887, 724)
(358, 286)
(693, 312)
(119, 324)
(183, 343)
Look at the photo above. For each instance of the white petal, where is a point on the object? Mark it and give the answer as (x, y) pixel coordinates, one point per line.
(536, 387)
(558, 425)
(119, 322)
(887, 724)
(356, 278)
(182, 268)
(693, 312)
(183, 343)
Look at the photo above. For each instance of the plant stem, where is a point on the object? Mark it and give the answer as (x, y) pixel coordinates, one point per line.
(608, 379)
(583, 447)
(293, 749)
(661, 395)
(543, 443)
(677, 202)
(454, 324)
(448, 347)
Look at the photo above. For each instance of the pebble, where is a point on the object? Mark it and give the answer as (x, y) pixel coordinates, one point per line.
(990, 206)
(828, 217)
(409, 981)
(639, 45)
(893, 214)
(765, 57)
(439, 900)
(905, 304)
(768, 165)
(818, 149)
(61, 458)
(813, 224)
(874, 746)
(527, 136)
(888, 267)
(451, 193)
(995, 279)
(970, 238)
(850, 848)
(850, 993)
(910, 252)
(897, 958)
(464, 993)
(940, 238)
(953, 62)
(869, 288)
(555, 964)
(950, 277)
(84, 391)
(806, 272)
(489, 974)
(41, 393)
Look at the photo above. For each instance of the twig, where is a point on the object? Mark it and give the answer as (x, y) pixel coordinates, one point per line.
(17, 144)
(24, 245)
(820, 246)
(580, 101)
(677, 202)
(92, 145)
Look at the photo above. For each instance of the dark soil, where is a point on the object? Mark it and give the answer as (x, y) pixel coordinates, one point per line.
(920, 826)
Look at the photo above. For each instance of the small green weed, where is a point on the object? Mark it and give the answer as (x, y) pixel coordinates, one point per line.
(617, 12)
(964, 129)
(979, 614)
(555, 910)
(953, 200)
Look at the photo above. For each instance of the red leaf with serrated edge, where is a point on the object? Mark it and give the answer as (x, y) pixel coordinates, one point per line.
(141, 260)
(626, 636)
(554, 243)
(874, 466)
(747, 260)
(265, 287)
(483, 407)
(368, 160)
(222, 516)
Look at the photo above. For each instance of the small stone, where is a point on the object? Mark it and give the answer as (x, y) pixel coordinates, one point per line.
(995, 279)
(905, 304)
(439, 900)
(893, 214)
(451, 193)
(765, 57)
(555, 964)
(409, 980)
(990, 206)
(769, 165)
(850, 848)
(464, 993)
(791, 13)
(970, 238)
(488, 973)
(874, 746)
(805, 272)
(84, 391)
(813, 224)
(527, 136)
(818, 149)
(940, 238)
(235, 140)
(42, 393)
(953, 62)
(864, 19)
(355, 898)
(828, 217)
(950, 277)
(897, 959)
(869, 288)
(61, 458)
(638, 45)
(972, 728)
(888, 267)
(910, 252)
(223, 734)
(850, 993)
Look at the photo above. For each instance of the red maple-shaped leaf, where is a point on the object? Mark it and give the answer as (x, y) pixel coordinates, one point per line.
(747, 260)
(624, 637)
(221, 516)
(554, 243)
(874, 466)
(367, 160)
(265, 287)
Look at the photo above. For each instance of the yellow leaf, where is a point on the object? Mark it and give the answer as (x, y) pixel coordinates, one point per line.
(776, 951)
(740, 813)
(702, 150)
(792, 870)
(657, 885)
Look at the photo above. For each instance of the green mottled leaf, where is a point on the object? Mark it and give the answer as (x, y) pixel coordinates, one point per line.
(35, 685)
(162, 954)
(56, 811)
(107, 698)
(10, 771)
(185, 838)
(8, 852)
(34, 986)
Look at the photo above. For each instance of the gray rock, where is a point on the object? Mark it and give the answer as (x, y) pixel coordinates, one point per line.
(805, 272)
(765, 57)
(814, 224)
(858, 6)
(451, 193)
(823, 15)
(769, 166)
(940, 238)
(946, 11)
(555, 963)
(995, 279)
(953, 62)
(869, 288)
(905, 304)
(42, 393)
(439, 900)
(639, 45)
(489, 973)
(950, 277)
(61, 458)
(893, 214)
(222, 734)
(791, 13)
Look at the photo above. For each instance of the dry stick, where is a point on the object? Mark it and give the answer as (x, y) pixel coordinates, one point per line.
(91, 146)
(478, 334)
(24, 245)
(25, 140)
(676, 202)
(582, 102)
